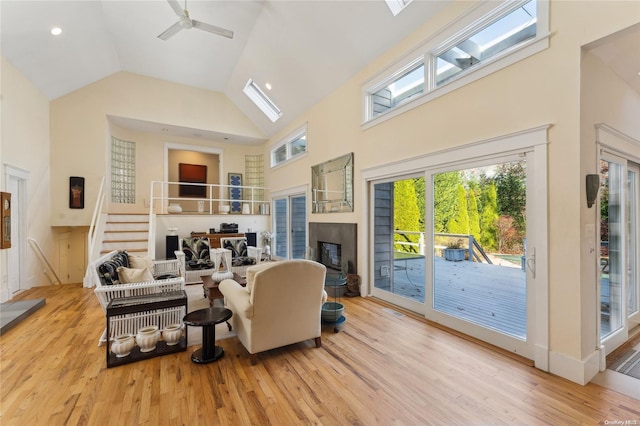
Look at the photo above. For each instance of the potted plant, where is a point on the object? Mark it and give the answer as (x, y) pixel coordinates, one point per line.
(454, 251)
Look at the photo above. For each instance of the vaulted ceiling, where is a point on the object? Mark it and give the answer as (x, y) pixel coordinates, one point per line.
(303, 49)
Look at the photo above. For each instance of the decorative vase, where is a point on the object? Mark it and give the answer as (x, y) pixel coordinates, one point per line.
(246, 208)
(200, 206)
(171, 334)
(174, 208)
(122, 344)
(224, 209)
(147, 338)
(267, 250)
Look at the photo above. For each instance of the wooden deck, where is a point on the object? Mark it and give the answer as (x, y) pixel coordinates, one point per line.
(489, 295)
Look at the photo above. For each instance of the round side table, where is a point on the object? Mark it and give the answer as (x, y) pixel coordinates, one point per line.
(207, 319)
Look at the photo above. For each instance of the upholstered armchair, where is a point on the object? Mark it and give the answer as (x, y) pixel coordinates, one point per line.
(280, 305)
(242, 255)
(195, 258)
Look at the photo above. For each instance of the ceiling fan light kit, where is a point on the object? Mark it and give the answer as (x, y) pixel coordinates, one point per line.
(186, 23)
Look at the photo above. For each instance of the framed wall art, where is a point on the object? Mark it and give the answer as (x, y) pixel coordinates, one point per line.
(235, 192)
(192, 173)
(76, 192)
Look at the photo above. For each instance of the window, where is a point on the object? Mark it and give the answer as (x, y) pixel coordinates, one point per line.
(262, 101)
(293, 146)
(508, 31)
(480, 42)
(406, 83)
(123, 171)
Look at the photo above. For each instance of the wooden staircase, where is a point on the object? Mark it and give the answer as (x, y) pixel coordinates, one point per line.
(128, 232)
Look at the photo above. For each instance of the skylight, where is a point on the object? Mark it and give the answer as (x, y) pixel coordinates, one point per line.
(262, 101)
(396, 6)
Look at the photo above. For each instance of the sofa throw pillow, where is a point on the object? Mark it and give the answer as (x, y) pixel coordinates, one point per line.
(108, 271)
(140, 262)
(131, 275)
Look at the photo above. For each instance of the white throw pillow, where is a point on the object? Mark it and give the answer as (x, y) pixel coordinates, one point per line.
(131, 275)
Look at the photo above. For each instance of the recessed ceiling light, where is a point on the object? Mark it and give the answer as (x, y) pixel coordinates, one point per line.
(268, 86)
(56, 31)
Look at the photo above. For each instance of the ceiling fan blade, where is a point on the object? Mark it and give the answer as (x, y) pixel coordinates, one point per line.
(176, 7)
(212, 29)
(171, 31)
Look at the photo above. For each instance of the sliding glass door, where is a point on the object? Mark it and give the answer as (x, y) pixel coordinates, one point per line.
(619, 257)
(456, 244)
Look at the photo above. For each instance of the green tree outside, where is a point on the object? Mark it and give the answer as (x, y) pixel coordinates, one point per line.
(459, 222)
(406, 214)
(489, 218)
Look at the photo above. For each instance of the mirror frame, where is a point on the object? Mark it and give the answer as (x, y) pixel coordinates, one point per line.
(321, 202)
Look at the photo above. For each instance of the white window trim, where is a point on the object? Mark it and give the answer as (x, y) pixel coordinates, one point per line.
(286, 141)
(442, 40)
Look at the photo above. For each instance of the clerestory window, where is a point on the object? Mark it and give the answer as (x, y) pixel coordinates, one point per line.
(509, 30)
(291, 147)
(488, 39)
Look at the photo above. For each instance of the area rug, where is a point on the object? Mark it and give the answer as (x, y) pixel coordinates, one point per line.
(195, 301)
(628, 364)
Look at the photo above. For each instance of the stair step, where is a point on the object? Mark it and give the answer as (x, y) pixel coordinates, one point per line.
(134, 250)
(142, 240)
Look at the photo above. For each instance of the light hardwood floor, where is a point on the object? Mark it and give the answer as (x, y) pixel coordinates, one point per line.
(382, 369)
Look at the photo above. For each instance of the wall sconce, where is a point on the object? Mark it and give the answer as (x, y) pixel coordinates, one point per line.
(593, 185)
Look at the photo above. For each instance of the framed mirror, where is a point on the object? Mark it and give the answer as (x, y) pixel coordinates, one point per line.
(332, 185)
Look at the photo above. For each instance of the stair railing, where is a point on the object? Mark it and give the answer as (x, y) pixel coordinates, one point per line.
(94, 232)
(36, 247)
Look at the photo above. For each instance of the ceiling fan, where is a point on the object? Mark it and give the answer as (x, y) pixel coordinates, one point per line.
(184, 22)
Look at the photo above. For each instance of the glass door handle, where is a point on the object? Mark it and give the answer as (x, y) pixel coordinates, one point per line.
(531, 262)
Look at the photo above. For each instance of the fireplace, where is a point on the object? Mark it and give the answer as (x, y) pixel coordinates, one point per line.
(335, 244)
(330, 255)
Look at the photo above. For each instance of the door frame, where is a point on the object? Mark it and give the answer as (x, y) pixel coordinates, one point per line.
(612, 144)
(533, 141)
(17, 254)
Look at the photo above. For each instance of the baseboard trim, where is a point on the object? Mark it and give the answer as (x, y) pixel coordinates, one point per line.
(578, 371)
(4, 295)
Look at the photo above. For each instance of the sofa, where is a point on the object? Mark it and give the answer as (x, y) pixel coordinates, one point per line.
(280, 305)
(120, 274)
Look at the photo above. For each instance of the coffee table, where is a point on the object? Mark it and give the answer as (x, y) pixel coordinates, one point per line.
(207, 319)
(211, 290)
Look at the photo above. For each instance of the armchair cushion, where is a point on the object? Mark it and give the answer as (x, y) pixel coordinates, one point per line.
(239, 251)
(131, 275)
(196, 252)
(140, 262)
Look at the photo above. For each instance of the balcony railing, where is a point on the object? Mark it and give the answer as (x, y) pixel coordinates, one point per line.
(239, 199)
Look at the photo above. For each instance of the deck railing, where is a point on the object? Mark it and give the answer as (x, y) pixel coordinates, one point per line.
(475, 250)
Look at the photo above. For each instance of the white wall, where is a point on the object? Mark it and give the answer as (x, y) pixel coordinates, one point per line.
(80, 132)
(25, 145)
(606, 99)
(542, 89)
